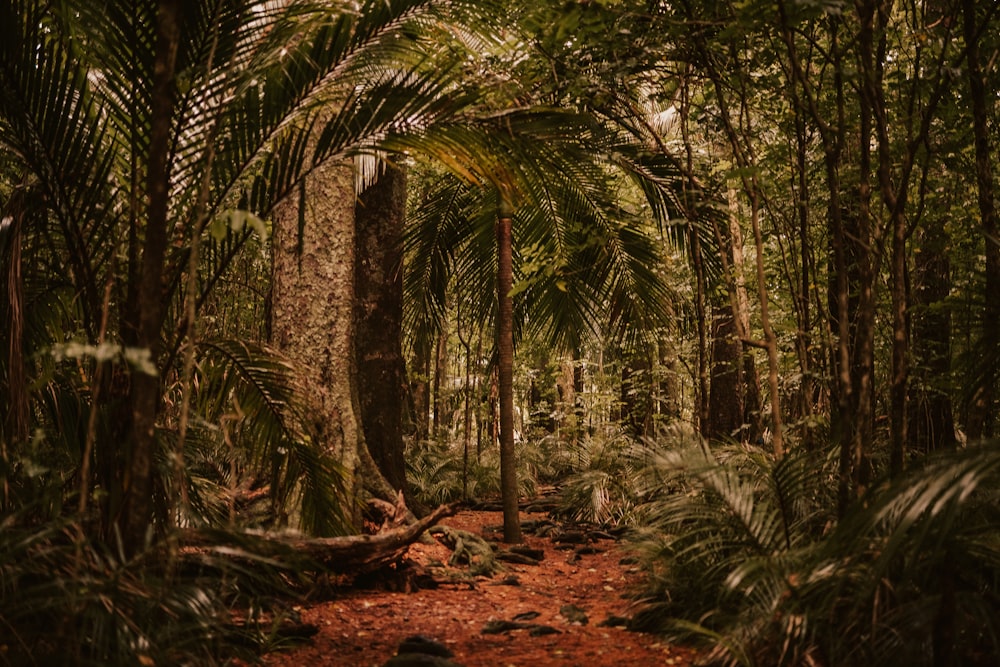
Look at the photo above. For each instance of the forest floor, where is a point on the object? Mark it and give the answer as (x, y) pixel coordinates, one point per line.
(561, 611)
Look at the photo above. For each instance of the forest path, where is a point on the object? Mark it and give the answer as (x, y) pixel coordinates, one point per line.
(363, 628)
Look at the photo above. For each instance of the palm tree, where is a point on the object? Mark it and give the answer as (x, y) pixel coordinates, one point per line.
(583, 266)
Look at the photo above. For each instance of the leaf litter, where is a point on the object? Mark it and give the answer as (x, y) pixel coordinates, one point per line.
(569, 608)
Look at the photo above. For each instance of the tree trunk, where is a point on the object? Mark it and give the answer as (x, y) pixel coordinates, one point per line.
(419, 384)
(312, 319)
(146, 390)
(931, 423)
(440, 418)
(505, 348)
(346, 554)
(16, 421)
(725, 404)
(378, 310)
(636, 393)
(803, 339)
(468, 390)
(981, 420)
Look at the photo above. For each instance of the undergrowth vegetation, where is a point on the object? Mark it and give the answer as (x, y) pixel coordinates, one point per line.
(72, 600)
(748, 557)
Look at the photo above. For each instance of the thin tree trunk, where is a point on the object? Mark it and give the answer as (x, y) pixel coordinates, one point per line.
(464, 339)
(931, 421)
(16, 421)
(982, 421)
(701, 394)
(842, 280)
(802, 289)
(146, 388)
(440, 420)
(505, 348)
(742, 152)
(420, 390)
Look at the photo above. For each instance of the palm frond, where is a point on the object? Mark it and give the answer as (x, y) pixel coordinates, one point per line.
(256, 391)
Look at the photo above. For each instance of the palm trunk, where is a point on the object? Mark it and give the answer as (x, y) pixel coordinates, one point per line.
(505, 348)
(145, 394)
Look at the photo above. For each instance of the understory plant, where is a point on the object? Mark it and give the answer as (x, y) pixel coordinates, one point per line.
(434, 472)
(747, 556)
(600, 486)
(71, 600)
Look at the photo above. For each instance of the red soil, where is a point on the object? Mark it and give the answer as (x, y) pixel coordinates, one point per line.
(365, 627)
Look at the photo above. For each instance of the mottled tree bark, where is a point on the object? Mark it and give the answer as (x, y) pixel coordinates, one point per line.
(312, 320)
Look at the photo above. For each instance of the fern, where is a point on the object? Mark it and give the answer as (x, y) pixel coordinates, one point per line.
(745, 555)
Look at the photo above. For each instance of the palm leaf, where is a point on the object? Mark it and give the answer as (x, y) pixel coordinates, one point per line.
(259, 390)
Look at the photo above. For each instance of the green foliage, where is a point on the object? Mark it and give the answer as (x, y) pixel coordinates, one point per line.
(72, 601)
(600, 485)
(251, 402)
(434, 472)
(746, 555)
(253, 85)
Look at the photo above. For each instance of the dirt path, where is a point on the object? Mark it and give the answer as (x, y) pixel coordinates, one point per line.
(364, 627)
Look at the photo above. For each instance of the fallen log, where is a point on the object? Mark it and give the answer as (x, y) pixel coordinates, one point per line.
(349, 554)
(356, 554)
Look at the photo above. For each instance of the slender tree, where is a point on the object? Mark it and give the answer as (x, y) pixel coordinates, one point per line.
(980, 420)
(505, 348)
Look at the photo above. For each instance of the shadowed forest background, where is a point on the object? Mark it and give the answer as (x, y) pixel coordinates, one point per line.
(724, 273)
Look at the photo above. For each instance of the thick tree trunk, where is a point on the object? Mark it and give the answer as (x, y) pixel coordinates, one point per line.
(378, 310)
(312, 319)
(505, 347)
(349, 554)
